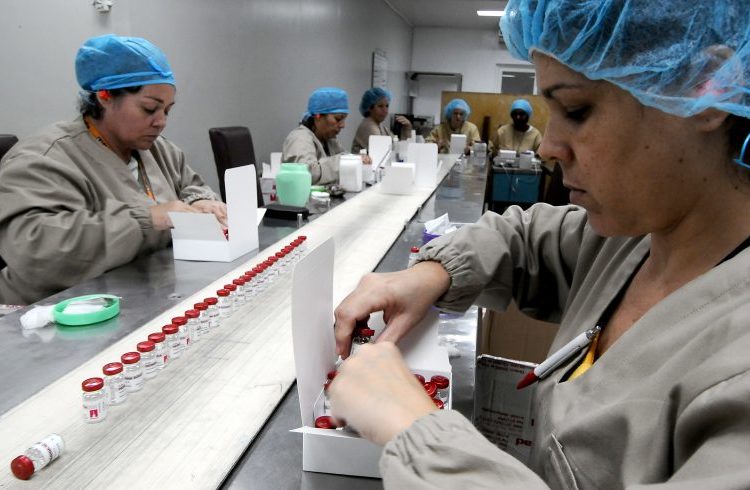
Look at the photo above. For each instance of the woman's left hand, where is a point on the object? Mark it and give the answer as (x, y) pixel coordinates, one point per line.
(217, 208)
(375, 393)
(366, 160)
(403, 121)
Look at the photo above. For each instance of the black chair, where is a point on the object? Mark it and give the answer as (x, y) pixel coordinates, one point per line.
(6, 142)
(233, 147)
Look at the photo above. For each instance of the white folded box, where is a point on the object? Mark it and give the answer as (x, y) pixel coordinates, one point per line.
(424, 156)
(458, 143)
(328, 450)
(398, 179)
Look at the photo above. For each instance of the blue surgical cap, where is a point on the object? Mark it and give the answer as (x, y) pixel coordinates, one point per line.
(327, 100)
(522, 105)
(371, 97)
(680, 56)
(108, 62)
(456, 104)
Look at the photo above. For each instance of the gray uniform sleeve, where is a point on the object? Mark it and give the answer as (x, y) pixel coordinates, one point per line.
(443, 450)
(300, 148)
(526, 255)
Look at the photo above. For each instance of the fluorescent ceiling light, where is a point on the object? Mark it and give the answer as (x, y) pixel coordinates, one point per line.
(490, 13)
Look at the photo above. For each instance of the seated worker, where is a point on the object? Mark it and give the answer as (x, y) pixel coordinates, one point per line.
(456, 113)
(519, 135)
(87, 195)
(374, 109)
(650, 266)
(314, 141)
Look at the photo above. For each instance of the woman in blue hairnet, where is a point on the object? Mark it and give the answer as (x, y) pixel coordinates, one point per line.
(314, 142)
(85, 196)
(649, 107)
(518, 135)
(374, 108)
(456, 115)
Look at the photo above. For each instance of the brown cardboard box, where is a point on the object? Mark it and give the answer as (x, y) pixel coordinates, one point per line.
(511, 344)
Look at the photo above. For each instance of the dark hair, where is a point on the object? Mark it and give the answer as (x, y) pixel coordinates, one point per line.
(88, 104)
(309, 123)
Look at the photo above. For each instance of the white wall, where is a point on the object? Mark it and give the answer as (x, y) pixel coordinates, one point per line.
(237, 62)
(473, 53)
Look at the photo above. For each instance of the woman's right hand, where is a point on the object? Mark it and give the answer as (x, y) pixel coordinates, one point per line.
(159, 215)
(404, 298)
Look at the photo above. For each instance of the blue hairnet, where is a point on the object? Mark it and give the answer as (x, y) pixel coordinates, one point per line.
(109, 62)
(680, 56)
(327, 100)
(456, 104)
(371, 97)
(522, 105)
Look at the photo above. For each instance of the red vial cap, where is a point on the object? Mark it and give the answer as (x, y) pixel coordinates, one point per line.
(268, 263)
(22, 467)
(324, 422)
(145, 346)
(250, 274)
(430, 388)
(326, 385)
(414, 250)
(258, 269)
(287, 249)
(130, 357)
(192, 313)
(438, 403)
(280, 255)
(200, 306)
(302, 238)
(157, 337)
(230, 287)
(332, 374)
(248, 277)
(112, 368)
(420, 378)
(210, 301)
(440, 381)
(93, 384)
(179, 321)
(239, 281)
(222, 292)
(170, 329)
(366, 332)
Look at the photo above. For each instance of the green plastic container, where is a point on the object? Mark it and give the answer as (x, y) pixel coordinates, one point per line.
(293, 184)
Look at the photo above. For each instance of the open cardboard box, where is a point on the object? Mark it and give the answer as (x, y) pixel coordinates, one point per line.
(339, 451)
(199, 236)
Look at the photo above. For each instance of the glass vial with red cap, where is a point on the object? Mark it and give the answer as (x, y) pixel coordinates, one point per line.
(193, 325)
(183, 334)
(225, 305)
(324, 422)
(213, 312)
(362, 336)
(133, 371)
(114, 383)
(413, 254)
(204, 327)
(37, 456)
(240, 295)
(94, 400)
(174, 344)
(442, 384)
(148, 359)
(161, 352)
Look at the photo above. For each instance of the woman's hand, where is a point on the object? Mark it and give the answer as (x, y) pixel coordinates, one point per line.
(366, 160)
(404, 298)
(404, 121)
(159, 216)
(375, 393)
(218, 208)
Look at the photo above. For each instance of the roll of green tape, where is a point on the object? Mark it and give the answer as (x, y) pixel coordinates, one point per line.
(111, 309)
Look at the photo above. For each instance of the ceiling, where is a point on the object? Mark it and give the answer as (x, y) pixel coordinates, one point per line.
(448, 13)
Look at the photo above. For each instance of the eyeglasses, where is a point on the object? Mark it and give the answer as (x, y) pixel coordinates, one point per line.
(741, 160)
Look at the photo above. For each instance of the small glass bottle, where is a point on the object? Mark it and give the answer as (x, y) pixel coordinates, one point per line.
(420, 378)
(94, 400)
(326, 399)
(184, 333)
(174, 344)
(240, 295)
(324, 422)
(232, 296)
(271, 271)
(431, 389)
(213, 312)
(302, 244)
(133, 371)
(260, 277)
(225, 305)
(161, 351)
(442, 384)
(205, 326)
(438, 403)
(37, 456)
(413, 254)
(362, 336)
(114, 382)
(193, 325)
(148, 359)
(249, 277)
(281, 262)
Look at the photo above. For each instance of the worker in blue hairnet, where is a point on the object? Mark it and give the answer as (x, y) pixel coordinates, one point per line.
(518, 135)
(314, 142)
(455, 121)
(85, 196)
(647, 383)
(374, 108)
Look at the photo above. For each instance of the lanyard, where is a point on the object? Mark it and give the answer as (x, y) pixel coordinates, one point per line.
(142, 176)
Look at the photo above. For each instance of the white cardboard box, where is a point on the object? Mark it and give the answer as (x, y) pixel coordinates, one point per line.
(458, 143)
(337, 451)
(198, 236)
(398, 179)
(424, 156)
